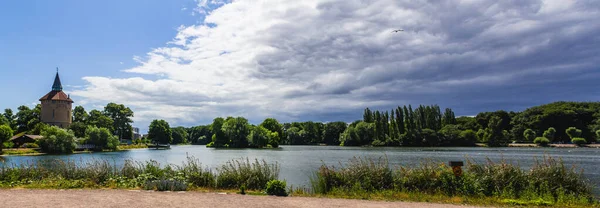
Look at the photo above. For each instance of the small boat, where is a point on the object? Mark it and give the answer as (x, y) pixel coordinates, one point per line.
(160, 146)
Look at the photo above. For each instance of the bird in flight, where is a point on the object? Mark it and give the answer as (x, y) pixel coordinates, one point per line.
(400, 30)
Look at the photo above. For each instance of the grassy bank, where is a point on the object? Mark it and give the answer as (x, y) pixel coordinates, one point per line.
(549, 182)
(21, 151)
(132, 146)
(146, 175)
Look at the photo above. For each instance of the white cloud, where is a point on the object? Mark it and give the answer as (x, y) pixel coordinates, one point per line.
(296, 59)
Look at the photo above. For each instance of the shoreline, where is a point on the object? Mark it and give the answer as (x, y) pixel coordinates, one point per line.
(512, 145)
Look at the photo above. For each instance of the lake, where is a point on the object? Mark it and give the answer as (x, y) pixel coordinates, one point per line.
(297, 163)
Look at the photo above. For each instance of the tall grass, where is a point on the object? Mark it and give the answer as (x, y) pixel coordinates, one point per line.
(132, 174)
(548, 180)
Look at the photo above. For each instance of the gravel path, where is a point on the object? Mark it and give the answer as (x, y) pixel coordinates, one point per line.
(22, 198)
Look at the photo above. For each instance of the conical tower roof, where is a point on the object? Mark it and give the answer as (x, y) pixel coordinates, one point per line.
(57, 94)
(57, 86)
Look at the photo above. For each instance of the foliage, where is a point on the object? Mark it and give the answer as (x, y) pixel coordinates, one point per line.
(468, 137)
(159, 132)
(259, 137)
(30, 145)
(79, 129)
(549, 134)
(573, 132)
(98, 119)
(253, 175)
(179, 135)
(332, 131)
(578, 141)
(272, 125)
(236, 131)
(166, 185)
(121, 117)
(548, 179)
(101, 138)
(5, 134)
(542, 141)
(219, 139)
(529, 135)
(276, 188)
(80, 115)
(56, 141)
(495, 135)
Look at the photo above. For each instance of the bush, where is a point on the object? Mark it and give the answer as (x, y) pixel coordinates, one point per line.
(542, 141)
(30, 145)
(165, 185)
(578, 141)
(276, 188)
(573, 132)
(254, 176)
(56, 141)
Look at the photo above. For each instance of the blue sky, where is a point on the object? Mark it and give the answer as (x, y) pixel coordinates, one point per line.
(82, 38)
(189, 61)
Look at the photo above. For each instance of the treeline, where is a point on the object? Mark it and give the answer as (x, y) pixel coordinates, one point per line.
(100, 128)
(420, 126)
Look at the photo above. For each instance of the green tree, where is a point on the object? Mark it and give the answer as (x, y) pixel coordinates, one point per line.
(598, 135)
(237, 131)
(494, 134)
(468, 137)
(259, 137)
(368, 116)
(449, 117)
(57, 141)
(39, 128)
(98, 119)
(430, 137)
(549, 134)
(219, 139)
(295, 135)
(179, 135)
(573, 132)
(26, 119)
(365, 132)
(79, 129)
(5, 134)
(102, 138)
(272, 125)
(159, 132)
(10, 118)
(121, 117)
(529, 135)
(332, 132)
(274, 139)
(350, 137)
(450, 135)
(79, 114)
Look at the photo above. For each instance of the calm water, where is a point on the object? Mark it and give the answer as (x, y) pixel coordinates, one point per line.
(299, 162)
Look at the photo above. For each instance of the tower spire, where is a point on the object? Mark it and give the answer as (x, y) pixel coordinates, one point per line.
(57, 86)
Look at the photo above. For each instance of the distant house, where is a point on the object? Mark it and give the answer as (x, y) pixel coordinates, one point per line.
(21, 139)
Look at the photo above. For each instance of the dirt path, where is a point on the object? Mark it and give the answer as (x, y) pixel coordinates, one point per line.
(122, 198)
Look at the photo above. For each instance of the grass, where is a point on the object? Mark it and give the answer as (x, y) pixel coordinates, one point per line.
(132, 146)
(148, 175)
(21, 151)
(549, 182)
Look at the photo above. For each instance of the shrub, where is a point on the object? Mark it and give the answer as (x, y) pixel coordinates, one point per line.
(529, 135)
(573, 132)
(165, 185)
(30, 145)
(549, 134)
(276, 188)
(254, 176)
(578, 141)
(542, 141)
(57, 140)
